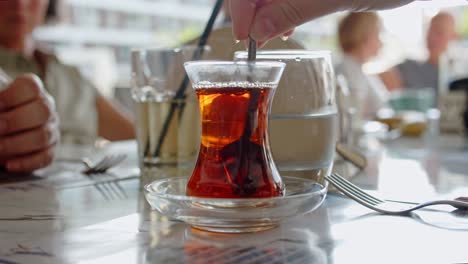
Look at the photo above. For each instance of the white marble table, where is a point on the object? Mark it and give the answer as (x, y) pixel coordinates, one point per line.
(61, 216)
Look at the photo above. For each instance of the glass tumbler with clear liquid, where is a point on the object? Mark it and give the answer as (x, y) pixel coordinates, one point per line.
(303, 120)
(168, 126)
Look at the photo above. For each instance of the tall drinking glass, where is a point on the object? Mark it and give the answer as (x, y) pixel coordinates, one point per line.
(168, 125)
(234, 159)
(303, 120)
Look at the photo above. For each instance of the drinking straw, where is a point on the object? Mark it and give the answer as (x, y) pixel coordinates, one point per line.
(180, 94)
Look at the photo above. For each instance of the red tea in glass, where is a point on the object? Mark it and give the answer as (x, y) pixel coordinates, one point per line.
(234, 159)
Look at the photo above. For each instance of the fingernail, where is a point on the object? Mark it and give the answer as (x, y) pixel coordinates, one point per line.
(237, 41)
(284, 38)
(263, 30)
(261, 44)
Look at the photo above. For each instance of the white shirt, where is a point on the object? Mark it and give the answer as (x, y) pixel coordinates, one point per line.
(368, 93)
(75, 97)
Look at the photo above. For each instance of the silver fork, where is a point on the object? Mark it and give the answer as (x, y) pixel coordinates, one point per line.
(382, 206)
(110, 189)
(101, 166)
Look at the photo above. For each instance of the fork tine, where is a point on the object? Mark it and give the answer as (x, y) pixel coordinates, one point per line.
(115, 181)
(353, 196)
(122, 191)
(363, 199)
(116, 159)
(102, 164)
(110, 191)
(355, 188)
(112, 161)
(106, 163)
(357, 191)
(102, 192)
(117, 192)
(106, 190)
(346, 189)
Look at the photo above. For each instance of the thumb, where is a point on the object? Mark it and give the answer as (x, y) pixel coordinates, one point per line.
(280, 16)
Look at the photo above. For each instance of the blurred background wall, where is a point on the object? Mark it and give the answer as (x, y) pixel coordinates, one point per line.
(98, 35)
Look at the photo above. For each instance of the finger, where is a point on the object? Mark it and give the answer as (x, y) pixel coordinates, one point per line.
(288, 33)
(261, 44)
(25, 117)
(23, 89)
(280, 16)
(34, 161)
(242, 13)
(30, 141)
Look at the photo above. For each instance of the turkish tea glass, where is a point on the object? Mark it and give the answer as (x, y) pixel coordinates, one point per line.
(234, 159)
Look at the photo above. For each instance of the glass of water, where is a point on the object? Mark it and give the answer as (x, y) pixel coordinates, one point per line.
(168, 121)
(303, 121)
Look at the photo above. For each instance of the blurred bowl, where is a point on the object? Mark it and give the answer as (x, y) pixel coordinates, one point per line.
(419, 100)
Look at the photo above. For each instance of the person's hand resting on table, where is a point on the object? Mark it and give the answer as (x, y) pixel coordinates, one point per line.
(266, 19)
(29, 128)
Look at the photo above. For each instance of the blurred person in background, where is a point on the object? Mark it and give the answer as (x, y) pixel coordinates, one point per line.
(358, 37)
(424, 74)
(84, 114)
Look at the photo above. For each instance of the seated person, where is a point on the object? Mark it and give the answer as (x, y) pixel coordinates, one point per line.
(28, 125)
(358, 36)
(84, 114)
(416, 74)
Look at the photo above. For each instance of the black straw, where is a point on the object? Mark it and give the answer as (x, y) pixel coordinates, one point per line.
(180, 94)
(252, 51)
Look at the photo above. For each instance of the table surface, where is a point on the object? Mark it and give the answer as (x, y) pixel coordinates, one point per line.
(59, 215)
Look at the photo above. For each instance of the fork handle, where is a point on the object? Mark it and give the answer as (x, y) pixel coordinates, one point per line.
(457, 204)
(70, 160)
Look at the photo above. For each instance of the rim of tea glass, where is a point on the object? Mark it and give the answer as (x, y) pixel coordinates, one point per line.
(150, 191)
(285, 54)
(256, 64)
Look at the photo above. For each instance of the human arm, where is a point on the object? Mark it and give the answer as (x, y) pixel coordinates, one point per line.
(391, 78)
(29, 130)
(265, 19)
(112, 123)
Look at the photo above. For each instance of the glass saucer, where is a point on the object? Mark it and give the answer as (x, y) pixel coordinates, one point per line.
(234, 215)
